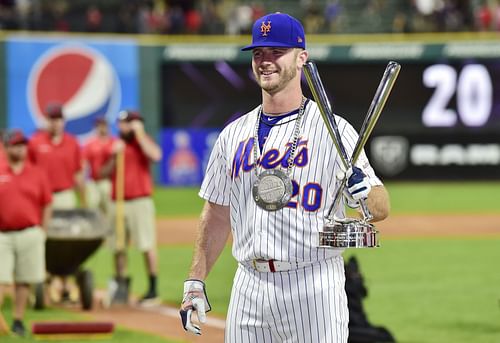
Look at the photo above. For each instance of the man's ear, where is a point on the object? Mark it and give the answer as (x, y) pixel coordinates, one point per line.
(302, 57)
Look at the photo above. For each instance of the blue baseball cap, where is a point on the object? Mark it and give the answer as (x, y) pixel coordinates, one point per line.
(277, 30)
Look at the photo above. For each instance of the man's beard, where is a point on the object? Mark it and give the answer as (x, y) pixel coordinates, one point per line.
(15, 158)
(127, 137)
(287, 75)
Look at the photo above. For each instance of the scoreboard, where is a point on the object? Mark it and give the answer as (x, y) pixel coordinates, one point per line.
(441, 121)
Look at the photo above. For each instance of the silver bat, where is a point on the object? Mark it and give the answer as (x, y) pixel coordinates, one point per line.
(374, 111)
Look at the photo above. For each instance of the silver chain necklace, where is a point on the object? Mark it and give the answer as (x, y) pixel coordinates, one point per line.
(273, 188)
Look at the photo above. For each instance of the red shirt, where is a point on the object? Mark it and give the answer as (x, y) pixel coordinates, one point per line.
(138, 181)
(61, 162)
(23, 197)
(96, 152)
(3, 157)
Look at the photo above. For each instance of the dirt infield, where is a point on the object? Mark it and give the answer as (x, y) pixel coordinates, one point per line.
(160, 321)
(183, 230)
(164, 321)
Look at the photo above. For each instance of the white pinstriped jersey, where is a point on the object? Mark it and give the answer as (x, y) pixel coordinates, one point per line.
(289, 234)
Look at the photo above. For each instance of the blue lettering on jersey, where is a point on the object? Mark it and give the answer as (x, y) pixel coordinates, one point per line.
(242, 157)
(269, 159)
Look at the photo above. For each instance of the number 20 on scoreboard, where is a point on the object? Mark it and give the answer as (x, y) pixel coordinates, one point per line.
(471, 86)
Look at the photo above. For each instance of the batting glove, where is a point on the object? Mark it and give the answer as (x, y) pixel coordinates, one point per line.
(194, 299)
(349, 200)
(358, 186)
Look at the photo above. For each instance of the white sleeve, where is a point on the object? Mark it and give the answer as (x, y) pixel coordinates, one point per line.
(349, 139)
(217, 181)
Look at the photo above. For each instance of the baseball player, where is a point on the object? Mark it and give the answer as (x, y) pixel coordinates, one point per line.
(269, 182)
(25, 198)
(96, 152)
(139, 151)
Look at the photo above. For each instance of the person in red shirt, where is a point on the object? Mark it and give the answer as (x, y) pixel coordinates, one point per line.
(25, 200)
(96, 152)
(139, 150)
(59, 154)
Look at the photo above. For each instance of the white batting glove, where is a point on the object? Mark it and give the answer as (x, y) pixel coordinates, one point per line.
(348, 199)
(194, 299)
(358, 187)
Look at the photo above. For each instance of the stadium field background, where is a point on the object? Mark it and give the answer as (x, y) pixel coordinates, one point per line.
(423, 289)
(426, 289)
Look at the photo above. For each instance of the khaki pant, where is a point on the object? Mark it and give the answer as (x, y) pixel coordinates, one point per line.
(140, 224)
(98, 195)
(22, 256)
(64, 200)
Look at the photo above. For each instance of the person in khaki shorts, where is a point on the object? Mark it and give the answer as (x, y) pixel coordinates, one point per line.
(96, 152)
(25, 200)
(139, 150)
(59, 154)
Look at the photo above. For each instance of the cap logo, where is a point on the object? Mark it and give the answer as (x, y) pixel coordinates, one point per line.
(299, 40)
(265, 29)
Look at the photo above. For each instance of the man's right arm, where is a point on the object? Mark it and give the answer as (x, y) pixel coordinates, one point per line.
(213, 232)
(109, 166)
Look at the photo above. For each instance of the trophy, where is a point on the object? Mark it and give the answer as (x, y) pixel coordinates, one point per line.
(349, 232)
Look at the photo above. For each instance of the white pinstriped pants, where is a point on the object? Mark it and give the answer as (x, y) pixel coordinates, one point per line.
(303, 305)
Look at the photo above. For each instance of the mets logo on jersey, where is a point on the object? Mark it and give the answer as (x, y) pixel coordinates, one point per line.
(80, 79)
(265, 29)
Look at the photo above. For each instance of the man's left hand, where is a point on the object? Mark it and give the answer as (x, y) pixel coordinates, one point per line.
(358, 185)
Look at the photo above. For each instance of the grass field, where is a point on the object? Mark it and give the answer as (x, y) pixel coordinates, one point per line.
(431, 290)
(406, 197)
(120, 334)
(423, 290)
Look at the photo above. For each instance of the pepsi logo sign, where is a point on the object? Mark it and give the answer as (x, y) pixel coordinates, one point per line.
(80, 79)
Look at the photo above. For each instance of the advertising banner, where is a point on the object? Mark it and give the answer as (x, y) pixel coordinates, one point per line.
(185, 155)
(435, 157)
(89, 78)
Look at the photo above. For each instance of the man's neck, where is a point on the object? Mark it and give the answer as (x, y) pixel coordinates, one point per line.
(56, 138)
(278, 106)
(16, 166)
(281, 102)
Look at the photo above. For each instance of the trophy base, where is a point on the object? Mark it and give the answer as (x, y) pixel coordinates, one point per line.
(348, 233)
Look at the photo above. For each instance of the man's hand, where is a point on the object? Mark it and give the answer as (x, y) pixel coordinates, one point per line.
(358, 187)
(117, 146)
(194, 299)
(138, 128)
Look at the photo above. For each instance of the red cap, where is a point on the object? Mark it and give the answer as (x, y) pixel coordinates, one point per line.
(129, 116)
(15, 137)
(54, 111)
